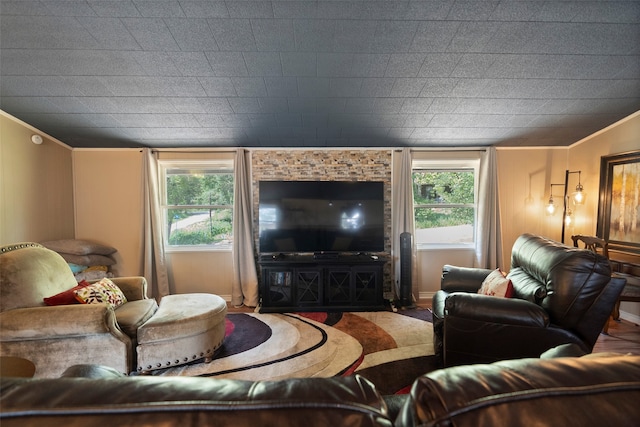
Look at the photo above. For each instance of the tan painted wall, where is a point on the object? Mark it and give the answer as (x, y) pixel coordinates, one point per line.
(209, 272)
(585, 156)
(109, 210)
(36, 190)
(524, 178)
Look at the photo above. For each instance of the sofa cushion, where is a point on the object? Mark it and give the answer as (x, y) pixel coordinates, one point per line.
(133, 314)
(66, 297)
(497, 285)
(104, 291)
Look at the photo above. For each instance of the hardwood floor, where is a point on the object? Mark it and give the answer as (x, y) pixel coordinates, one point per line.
(623, 337)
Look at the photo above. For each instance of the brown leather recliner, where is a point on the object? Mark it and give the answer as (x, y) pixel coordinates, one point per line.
(562, 295)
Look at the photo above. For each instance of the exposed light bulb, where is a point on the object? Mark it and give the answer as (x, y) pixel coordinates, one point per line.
(578, 196)
(551, 207)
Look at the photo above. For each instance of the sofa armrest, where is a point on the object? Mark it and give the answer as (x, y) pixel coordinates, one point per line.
(508, 311)
(193, 401)
(462, 279)
(57, 321)
(527, 392)
(133, 287)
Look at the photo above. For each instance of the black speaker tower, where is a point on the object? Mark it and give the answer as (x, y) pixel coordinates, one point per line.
(406, 297)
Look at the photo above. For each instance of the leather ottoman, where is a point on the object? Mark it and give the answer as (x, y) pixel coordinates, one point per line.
(185, 328)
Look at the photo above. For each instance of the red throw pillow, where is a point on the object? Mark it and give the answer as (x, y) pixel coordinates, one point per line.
(66, 297)
(497, 285)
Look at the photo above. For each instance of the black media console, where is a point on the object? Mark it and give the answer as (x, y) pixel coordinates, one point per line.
(321, 283)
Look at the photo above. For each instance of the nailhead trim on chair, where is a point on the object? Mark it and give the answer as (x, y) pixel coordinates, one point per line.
(13, 247)
(186, 359)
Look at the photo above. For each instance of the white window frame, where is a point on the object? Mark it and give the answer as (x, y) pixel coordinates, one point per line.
(194, 165)
(441, 165)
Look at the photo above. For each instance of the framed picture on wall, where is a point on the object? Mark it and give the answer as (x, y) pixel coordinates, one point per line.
(619, 201)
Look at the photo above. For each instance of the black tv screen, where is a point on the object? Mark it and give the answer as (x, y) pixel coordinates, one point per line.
(321, 216)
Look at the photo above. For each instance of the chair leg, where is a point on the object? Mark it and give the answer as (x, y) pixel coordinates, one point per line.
(605, 329)
(616, 311)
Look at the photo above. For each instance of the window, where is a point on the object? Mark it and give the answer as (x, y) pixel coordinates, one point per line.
(445, 202)
(197, 204)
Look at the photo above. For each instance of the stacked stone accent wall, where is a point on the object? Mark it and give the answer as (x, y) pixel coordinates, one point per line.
(326, 165)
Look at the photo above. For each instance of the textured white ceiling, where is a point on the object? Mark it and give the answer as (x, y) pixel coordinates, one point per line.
(171, 73)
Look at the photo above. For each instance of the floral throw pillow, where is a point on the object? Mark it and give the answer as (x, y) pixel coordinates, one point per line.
(497, 285)
(104, 291)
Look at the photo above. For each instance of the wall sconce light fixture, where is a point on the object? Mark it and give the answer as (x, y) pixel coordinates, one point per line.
(577, 197)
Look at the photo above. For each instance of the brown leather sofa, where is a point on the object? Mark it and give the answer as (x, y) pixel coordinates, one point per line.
(566, 391)
(562, 295)
(553, 390)
(180, 401)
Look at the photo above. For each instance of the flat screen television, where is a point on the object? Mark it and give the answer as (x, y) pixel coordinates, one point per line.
(321, 216)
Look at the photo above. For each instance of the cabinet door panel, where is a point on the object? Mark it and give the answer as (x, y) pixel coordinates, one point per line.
(278, 289)
(308, 286)
(339, 289)
(366, 284)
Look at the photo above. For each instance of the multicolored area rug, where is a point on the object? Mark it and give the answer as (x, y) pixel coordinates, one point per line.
(390, 349)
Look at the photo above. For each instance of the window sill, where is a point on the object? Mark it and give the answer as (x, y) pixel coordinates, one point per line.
(184, 249)
(445, 246)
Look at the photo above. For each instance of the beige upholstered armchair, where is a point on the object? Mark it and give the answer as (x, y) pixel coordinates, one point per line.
(56, 337)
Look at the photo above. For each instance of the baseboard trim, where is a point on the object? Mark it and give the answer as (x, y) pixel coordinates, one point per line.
(426, 295)
(630, 317)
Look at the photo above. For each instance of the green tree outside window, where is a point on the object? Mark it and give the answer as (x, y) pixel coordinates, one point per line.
(199, 207)
(444, 198)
